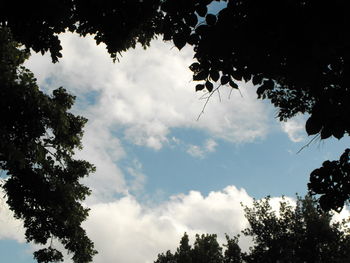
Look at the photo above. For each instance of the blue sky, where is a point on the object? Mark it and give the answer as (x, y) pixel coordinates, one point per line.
(160, 171)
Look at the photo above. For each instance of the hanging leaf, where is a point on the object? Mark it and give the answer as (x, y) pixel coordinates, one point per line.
(224, 80)
(338, 131)
(214, 75)
(199, 87)
(179, 40)
(210, 19)
(326, 132)
(200, 76)
(209, 86)
(233, 84)
(313, 126)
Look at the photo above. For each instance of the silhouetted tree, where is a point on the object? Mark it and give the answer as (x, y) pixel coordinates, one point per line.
(298, 233)
(38, 136)
(295, 234)
(297, 52)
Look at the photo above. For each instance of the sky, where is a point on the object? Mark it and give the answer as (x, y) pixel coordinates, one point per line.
(161, 170)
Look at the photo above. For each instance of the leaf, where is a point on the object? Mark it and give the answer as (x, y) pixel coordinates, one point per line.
(193, 39)
(191, 19)
(214, 75)
(210, 19)
(194, 66)
(201, 75)
(257, 79)
(313, 125)
(326, 132)
(202, 30)
(209, 86)
(179, 40)
(224, 80)
(233, 84)
(338, 132)
(199, 87)
(201, 10)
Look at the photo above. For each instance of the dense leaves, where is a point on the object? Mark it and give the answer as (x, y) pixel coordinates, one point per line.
(38, 136)
(332, 182)
(295, 234)
(118, 24)
(292, 234)
(297, 52)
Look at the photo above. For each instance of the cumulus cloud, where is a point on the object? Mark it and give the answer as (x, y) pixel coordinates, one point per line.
(127, 231)
(149, 92)
(140, 100)
(295, 128)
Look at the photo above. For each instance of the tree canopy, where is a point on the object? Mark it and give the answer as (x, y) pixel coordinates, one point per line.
(292, 234)
(38, 136)
(296, 52)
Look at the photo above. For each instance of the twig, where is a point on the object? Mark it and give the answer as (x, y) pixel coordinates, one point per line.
(240, 93)
(207, 100)
(219, 95)
(229, 95)
(307, 145)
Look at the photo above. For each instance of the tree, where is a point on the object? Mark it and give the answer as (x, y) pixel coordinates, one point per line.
(296, 52)
(298, 233)
(295, 234)
(38, 136)
(206, 249)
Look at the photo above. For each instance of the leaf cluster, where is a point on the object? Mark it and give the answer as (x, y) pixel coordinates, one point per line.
(38, 136)
(118, 24)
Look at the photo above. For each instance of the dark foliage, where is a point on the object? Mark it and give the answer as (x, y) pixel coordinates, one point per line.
(118, 24)
(297, 234)
(297, 52)
(38, 136)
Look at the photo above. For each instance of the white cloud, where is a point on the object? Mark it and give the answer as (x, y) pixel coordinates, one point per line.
(10, 228)
(295, 128)
(127, 231)
(201, 151)
(138, 177)
(140, 99)
(195, 151)
(210, 145)
(149, 92)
